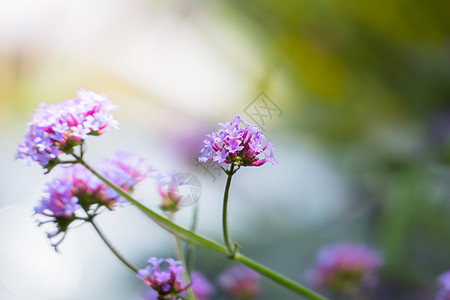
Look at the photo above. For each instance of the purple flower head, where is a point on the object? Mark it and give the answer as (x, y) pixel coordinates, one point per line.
(59, 127)
(444, 286)
(202, 288)
(77, 190)
(165, 276)
(168, 188)
(345, 268)
(239, 143)
(240, 282)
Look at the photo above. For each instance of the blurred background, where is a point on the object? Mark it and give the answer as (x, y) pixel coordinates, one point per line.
(360, 92)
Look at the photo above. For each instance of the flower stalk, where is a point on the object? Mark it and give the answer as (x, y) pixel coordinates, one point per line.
(111, 247)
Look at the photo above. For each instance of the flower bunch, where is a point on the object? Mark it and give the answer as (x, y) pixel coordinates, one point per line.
(240, 282)
(345, 268)
(165, 276)
(78, 190)
(202, 288)
(239, 143)
(444, 286)
(57, 128)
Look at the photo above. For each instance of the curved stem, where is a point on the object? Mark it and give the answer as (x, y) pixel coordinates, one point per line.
(117, 254)
(226, 236)
(207, 244)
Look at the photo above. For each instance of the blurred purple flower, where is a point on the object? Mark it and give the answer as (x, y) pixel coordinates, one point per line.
(202, 288)
(345, 268)
(444, 286)
(164, 276)
(234, 144)
(57, 128)
(240, 282)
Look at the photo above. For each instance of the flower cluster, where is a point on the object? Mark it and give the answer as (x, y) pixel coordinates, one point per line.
(345, 268)
(240, 282)
(165, 276)
(201, 287)
(444, 286)
(57, 128)
(78, 189)
(169, 191)
(238, 145)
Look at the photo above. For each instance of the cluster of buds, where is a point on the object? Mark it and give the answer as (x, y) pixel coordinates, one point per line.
(78, 192)
(345, 268)
(59, 127)
(238, 145)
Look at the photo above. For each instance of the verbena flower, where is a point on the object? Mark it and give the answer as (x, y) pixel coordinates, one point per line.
(77, 191)
(345, 268)
(239, 143)
(57, 128)
(169, 191)
(164, 276)
(240, 282)
(444, 286)
(201, 287)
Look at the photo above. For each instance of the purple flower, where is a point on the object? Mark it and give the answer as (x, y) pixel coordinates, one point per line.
(78, 190)
(59, 127)
(202, 288)
(238, 145)
(444, 286)
(165, 276)
(240, 282)
(345, 268)
(168, 188)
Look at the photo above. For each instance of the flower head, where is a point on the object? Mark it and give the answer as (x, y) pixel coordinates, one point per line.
(77, 191)
(57, 128)
(240, 282)
(345, 268)
(165, 276)
(239, 143)
(444, 286)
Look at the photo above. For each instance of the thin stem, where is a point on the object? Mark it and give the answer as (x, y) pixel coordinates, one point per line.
(208, 244)
(117, 254)
(286, 282)
(190, 255)
(226, 236)
(180, 256)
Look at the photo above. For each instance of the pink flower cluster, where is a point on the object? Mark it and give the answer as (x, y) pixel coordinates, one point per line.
(78, 189)
(201, 287)
(57, 128)
(165, 276)
(238, 145)
(345, 267)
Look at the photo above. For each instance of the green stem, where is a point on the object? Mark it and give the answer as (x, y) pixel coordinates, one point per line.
(208, 244)
(117, 254)
(286, 282)
(180, 256)
(226, 236)
(190, 255)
